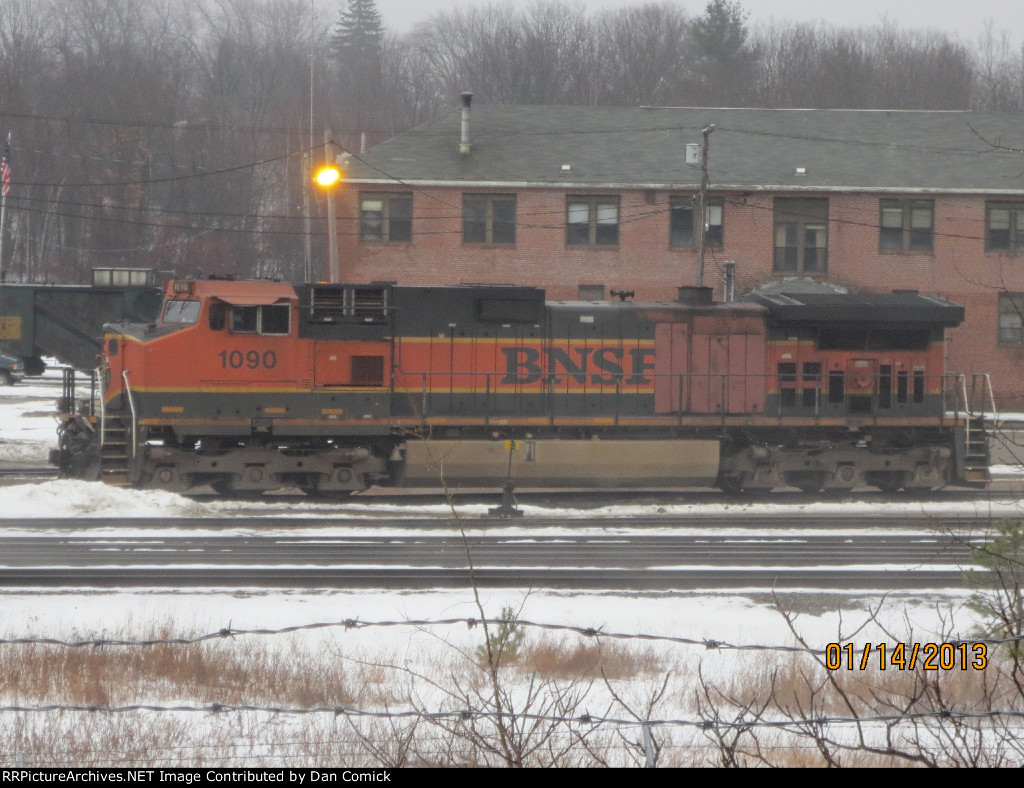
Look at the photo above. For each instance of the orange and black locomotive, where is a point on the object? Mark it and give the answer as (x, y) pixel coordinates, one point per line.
(250, 386)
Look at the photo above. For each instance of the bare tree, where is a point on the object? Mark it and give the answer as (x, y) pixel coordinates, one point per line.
(644, 55)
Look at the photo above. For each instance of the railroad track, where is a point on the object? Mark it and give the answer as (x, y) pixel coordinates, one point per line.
(367, 522)
(418, 578)
(20, 474)
(632, 561)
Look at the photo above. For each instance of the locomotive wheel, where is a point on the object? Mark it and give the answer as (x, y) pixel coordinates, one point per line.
(808, 481)
(730, 485)
(310, 489)
(886, 481)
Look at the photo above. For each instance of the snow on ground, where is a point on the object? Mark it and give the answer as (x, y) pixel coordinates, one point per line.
(737, 617)
(27, 432)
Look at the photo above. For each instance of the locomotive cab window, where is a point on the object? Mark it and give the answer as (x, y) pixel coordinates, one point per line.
(274, 319)
(269, 319)
(218, 317)
(181, 312)
(244, 319)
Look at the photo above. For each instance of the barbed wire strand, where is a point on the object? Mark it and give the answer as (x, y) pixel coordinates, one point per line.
(227, 633)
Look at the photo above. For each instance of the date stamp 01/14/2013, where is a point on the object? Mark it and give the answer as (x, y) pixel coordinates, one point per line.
(906, 656)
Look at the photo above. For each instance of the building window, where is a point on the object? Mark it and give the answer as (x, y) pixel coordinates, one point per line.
(590, 292)
(801, 235)
(592, 221)
(906, 225)
(385, 217)
(488, 218)
(1004, 227)
(1011, 318)
(683, 230)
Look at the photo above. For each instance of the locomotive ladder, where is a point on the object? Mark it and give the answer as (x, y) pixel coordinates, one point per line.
(117, 441)
(115, 454)
(979, 401)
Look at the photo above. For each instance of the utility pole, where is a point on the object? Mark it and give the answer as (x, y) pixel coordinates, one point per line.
(307, 164)
(702, 201)
(332, 219)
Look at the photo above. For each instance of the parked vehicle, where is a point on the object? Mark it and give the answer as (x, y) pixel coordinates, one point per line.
(11, 370)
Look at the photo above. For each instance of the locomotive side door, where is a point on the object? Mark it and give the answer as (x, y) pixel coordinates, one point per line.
(861, 384)
(709, 365)
(672, 354)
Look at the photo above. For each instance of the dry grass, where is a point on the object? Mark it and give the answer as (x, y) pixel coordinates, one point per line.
(801, 684)
(606, 677)
(239, 673)
(588, 659)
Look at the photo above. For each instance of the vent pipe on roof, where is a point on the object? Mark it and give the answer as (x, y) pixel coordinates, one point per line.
(464, 146)
(729, 281)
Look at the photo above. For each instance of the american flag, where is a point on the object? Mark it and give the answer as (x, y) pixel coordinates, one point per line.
(5, 171)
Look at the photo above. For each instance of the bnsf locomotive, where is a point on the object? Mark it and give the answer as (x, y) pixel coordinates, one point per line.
(252, 386)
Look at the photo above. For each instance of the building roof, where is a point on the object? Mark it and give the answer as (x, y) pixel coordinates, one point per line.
(750, 150)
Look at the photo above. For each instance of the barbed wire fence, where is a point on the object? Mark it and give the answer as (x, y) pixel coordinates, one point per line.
(798, 712)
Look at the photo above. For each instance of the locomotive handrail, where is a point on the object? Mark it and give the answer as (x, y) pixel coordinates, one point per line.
(987, 390)
(912, 397)
(131, 405)
(103, 409)
(966, 401)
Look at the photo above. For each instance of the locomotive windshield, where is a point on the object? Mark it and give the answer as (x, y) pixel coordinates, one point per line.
(183, 312)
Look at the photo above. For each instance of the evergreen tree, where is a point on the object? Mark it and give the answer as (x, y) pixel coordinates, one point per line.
(721, 34)
(998, 585)
(358, 34)
(357, 43)
(725, 61)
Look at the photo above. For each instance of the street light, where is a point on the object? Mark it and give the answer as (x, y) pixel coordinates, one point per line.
(328, 177)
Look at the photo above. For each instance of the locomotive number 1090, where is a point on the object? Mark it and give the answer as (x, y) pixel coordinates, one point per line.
(252, 359)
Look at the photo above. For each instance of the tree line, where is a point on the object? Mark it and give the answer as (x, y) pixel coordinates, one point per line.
(176, 133)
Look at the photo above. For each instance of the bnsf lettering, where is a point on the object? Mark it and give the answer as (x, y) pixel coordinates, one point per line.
(524, 365)
(252, 359)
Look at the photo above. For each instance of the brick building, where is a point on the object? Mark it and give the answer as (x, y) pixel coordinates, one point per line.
(586, 200)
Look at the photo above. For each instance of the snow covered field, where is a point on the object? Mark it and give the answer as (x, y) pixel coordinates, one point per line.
(27, 433)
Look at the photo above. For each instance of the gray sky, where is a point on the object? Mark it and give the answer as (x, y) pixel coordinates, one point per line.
(963, 18)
